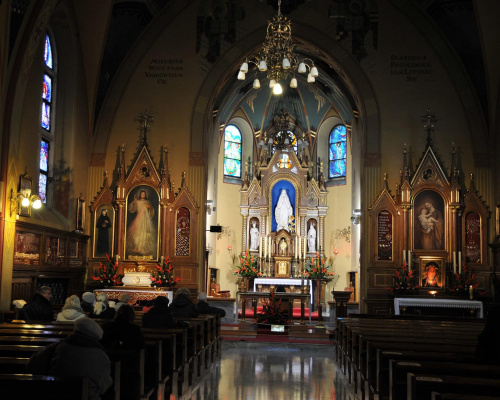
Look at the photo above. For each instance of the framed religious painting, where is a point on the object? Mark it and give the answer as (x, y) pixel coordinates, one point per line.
(142, 224)
(104, 231)
(428, 221)
(432, 273)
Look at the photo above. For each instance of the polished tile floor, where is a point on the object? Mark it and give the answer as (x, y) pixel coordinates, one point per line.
(273, 371)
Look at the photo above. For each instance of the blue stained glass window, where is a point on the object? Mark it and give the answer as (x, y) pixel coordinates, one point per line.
(337, 152)
(47, 54)
(47, 88)
(45, 120)
(232, 151)
(42, 187)
(44, 156)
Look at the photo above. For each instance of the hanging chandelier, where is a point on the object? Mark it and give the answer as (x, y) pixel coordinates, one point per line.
(281, 135)
(278, 57)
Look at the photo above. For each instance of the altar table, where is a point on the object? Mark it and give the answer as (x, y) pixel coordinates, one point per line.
(286, 282)
(136, 294)
(472, 305)
(279, 296)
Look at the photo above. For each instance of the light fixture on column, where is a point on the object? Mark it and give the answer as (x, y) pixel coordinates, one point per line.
(278, 57)
(23, 201)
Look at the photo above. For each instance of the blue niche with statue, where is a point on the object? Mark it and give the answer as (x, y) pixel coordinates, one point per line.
(278, 191)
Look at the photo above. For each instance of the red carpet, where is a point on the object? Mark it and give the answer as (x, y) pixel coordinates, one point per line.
(296, 313)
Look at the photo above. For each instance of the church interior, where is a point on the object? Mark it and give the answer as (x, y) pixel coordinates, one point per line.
(339, 154)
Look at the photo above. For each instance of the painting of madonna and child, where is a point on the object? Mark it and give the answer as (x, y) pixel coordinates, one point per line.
(141, 240)
(428, 221)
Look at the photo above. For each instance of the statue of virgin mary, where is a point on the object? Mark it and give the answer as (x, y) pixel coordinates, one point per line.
(283, 211)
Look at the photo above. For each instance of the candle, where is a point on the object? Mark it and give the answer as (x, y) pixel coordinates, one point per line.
(296, 252)
(459, 262)
(404, 256)
(260, 247)
(305, 248)
(454, 262)
(269, 249)
(265, 247)
(409, 259)
(471, 292)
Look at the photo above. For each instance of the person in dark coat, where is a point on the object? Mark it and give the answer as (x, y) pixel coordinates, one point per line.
(101, 309)
(182, 306)
(39, 309)
(159, 316)
(122, 332)
(488, 345)
(203, 307)
(78, 355)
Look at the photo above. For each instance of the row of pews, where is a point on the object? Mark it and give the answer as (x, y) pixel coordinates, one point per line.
(414, 357)
(170, 365)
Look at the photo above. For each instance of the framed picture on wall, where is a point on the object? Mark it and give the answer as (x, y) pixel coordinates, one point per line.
(428, 221)
(142, 223)
(103, 238)
(432, 272)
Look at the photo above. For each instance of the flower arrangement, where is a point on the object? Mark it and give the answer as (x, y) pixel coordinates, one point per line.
(164, 275)
(248, 266)
(464, 283)
(108, 273)
(316, 268)
(272, 311)
(405, 282)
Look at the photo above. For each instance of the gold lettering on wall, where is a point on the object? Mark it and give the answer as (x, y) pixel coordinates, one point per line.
(163, 69)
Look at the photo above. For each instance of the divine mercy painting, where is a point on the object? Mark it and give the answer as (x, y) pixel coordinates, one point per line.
(141, 240)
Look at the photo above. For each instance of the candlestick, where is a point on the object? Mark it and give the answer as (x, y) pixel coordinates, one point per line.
(454, 262)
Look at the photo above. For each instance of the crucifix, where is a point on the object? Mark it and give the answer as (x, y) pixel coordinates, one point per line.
(429, 118)
(145, 119)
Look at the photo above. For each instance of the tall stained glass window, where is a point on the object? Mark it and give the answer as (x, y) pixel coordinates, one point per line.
(46, 117)
(337, 152)
(232, 151)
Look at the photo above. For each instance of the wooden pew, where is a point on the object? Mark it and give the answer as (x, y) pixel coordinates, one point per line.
(398, 371)
(40, 387)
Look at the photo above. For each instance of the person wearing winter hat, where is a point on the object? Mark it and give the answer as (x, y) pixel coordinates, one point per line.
(182, 306)
(78, 355)
(87, 303)
(101, 309)
(124, 298)
(71, 310)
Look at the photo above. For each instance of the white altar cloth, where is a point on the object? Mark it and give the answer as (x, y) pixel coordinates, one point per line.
(441, 303)
(284, 281)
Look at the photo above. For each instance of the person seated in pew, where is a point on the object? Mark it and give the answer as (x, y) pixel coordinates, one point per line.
(87, 303)
(159, 316)
(122, 333)
(39, 309)
(101, 309)
(78, 355)
(203, 307)
(182, 306)
(72, 310)
(123, 298)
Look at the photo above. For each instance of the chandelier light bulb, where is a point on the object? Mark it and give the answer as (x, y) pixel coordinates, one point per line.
(272, 82)
(314, 72)
(286, 63)
(310, 78)
(37, 204)
(293, 83)
(25, 202)
(277, 89)
(302, 68)
(241, 76)
(244, 67)
(256, 84)
(262, 66)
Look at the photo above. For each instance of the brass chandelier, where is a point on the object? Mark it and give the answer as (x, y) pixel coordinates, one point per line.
(278, 57)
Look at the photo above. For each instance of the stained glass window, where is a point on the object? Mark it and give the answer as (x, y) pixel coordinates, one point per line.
(44, 169)
(47, 88)
(232, 151)
(337, 152)
(47, 54)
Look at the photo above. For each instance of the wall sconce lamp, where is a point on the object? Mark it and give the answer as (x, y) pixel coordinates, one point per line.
(22, 202)
(356, 216)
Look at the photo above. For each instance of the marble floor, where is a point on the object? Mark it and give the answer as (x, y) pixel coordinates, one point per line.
(273, 371)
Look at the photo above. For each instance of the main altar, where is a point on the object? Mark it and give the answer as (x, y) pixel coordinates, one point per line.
(283, 209)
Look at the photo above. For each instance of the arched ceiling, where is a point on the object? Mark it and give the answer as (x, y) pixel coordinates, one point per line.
(308, 104)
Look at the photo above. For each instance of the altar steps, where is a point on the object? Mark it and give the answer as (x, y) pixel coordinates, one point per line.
(248, 331)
